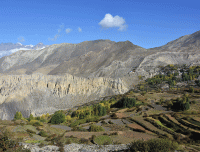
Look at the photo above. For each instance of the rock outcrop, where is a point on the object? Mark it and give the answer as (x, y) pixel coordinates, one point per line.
(39, 94)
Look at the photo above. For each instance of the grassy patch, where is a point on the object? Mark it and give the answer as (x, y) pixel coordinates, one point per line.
(33, 141)
(103, 140)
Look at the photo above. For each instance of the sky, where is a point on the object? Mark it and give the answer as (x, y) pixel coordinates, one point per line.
(147, 23)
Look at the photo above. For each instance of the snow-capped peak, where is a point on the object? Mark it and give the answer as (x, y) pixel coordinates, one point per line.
(19, 43)
(29, 45)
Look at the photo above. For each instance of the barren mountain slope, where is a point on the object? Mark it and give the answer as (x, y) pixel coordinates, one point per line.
(183, 44)
(93, 69)
(94, 58)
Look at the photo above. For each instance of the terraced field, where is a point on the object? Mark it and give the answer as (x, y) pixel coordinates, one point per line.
(149, 126)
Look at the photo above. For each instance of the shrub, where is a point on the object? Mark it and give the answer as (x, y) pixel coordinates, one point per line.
(68, 141)
(93, 137)
(7, 144)
(191, 89)
(103, 140)
(99, 110)
(181, 104)
(43, 133)
(84, 141)
(79, 129)
(154, 145)
(193, 102)
(114, 116)
(30, 117)
(31, 131)
(37, 124)
(57, 118)
(92, 119)
(95, 128)
(18, 115)
(125, 102)
(110, 122)
(114, 133)
(41, 145)
(103, 122)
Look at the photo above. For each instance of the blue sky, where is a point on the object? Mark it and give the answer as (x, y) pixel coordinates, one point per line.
(145, 23)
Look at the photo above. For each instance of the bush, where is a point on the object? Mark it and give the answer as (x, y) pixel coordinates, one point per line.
(43, 133)
(30, 117)
(125, 102)
(68, 141)
(31, 131)
(110, 122)
(103, 122)
(99, 110)
(57, 118)
(18, 116)
(37, 124)
(93, 138)
(103, 140)
(95, 128)
(114, 133)
(92, 119)
(84, 141)
(154, 145)
(7, 144)
(181, 104)
(79, 129)
(191, 89)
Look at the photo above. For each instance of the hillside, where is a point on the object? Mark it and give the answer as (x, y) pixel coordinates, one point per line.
(116, 65)
(146, 115)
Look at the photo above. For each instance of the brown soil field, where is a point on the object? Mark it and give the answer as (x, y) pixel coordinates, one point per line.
(123, 136)
(122, 110)
(121, 115)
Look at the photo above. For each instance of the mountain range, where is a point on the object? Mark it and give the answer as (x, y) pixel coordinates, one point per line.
(65, 75)
(9, 48)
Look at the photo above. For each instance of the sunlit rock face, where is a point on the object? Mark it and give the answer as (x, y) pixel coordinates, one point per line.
(39, 94)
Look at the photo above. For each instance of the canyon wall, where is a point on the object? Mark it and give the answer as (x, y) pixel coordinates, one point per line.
(39, 94)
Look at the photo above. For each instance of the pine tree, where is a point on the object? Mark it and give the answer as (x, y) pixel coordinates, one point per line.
(31, 117)
(18, 115)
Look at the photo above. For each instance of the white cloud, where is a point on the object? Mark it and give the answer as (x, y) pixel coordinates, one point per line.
(21, 39)
(109, 21)
(58, 34)
(79, 29)
(61, 28)
(55, 38)
(68, 30)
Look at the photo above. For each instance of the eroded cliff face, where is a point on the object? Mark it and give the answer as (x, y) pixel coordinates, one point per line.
(39, 94)
(150, 65)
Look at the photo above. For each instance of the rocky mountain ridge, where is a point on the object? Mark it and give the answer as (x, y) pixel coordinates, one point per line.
(93, 69)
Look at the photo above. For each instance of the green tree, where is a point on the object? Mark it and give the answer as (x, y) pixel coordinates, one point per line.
(95, 128)
(18, 116)
(30, 117)
(100, 110)
(125, 102)
(57, 118)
